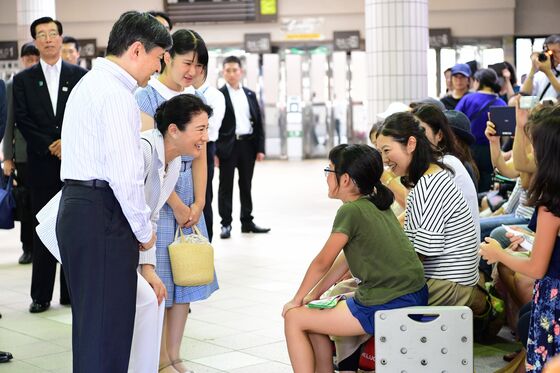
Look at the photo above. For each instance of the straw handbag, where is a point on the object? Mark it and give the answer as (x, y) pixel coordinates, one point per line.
(192, 259)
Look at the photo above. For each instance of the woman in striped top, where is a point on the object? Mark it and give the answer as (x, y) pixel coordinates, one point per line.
(438, 220)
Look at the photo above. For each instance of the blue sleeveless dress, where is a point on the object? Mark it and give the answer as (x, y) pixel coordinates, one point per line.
(544, 328)
(148, 100)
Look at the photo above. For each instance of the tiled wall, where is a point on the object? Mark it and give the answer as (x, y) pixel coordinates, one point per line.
(396, 47)
(30, 10)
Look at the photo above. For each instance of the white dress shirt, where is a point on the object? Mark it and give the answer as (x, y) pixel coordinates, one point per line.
(215, 99)
(101, 140)
(159, 182)
(52, 77)
(241, 110)
(540, 82)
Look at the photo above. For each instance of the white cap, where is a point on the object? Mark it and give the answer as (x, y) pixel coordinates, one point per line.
(394, 107)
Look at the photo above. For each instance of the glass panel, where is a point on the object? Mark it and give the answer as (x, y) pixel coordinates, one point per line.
(432, 72)
(538, 44)
(491, 56)
(523, 49)
(467, 53)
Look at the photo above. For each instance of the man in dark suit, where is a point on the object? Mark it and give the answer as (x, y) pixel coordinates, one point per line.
(240, 143)
(40, 95)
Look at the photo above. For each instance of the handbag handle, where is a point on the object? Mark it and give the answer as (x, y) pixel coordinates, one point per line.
(195, 230)
(10, 183)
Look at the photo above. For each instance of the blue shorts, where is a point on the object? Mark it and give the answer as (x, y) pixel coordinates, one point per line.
(366, 314)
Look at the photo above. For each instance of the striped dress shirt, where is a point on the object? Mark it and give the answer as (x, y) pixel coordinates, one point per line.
(101, 140)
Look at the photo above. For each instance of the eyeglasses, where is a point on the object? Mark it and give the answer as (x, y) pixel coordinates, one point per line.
(47, 35)
(327, 170)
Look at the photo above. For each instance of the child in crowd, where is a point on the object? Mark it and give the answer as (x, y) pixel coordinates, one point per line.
(373, 243)
(543, 129)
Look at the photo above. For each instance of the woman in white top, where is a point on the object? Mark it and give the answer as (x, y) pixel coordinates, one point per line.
(182, 129)
(438, 220)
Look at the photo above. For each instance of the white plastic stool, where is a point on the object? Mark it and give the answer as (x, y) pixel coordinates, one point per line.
(441, 342)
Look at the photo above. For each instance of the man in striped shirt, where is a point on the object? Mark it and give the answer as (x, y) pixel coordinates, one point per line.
(103, 219)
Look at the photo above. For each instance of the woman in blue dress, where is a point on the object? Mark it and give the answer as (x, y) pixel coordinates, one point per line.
(544, 262)
(187, 59)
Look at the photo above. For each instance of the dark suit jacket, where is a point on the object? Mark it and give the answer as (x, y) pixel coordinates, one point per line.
(226, 137)
(36, 120)
(3, 108)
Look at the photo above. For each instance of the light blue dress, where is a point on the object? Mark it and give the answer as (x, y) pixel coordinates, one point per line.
(148, 100)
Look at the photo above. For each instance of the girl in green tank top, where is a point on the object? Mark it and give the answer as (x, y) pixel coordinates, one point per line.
(367, 240)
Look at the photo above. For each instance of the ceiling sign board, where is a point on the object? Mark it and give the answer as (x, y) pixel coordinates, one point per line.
(346, 40)
(257, 43)
(8, 50)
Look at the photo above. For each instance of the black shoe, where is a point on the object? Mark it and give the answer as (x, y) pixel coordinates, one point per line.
(37, 307)
(5, 357)
(25, 258)
(252, 228)
(226, 231)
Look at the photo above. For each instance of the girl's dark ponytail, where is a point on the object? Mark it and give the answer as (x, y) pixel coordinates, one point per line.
(382, 197)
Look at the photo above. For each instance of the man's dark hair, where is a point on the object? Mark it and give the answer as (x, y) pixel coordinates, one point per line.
(71, 40)
(41, 21)
(132, 27)
(162, 15)
(179, 110)
(29, 49)
(232, 59)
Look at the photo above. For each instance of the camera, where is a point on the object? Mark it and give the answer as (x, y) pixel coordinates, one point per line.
(547, 53)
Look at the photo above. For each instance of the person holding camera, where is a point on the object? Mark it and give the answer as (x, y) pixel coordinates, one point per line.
(543, 80)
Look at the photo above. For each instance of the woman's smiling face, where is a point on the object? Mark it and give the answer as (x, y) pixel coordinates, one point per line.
(396, 155)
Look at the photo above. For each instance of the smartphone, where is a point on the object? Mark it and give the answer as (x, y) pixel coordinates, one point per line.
(503, 118)
(528, 102)
(528, 236)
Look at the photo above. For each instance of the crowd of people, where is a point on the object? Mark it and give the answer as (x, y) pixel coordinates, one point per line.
(424, 213)
(115, 160)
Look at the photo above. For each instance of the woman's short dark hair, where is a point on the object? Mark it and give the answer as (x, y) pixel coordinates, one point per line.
(543, 128)
(488, 78)
(180, 111)
(185, 41)
(134, 26)
(364, 166)
(41, 21)
(402, 126)
(437, 121)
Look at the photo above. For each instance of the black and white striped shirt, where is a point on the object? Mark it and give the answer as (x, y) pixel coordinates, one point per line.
(440, 226)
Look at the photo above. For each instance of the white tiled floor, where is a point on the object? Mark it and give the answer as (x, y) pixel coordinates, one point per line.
(239, 329)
